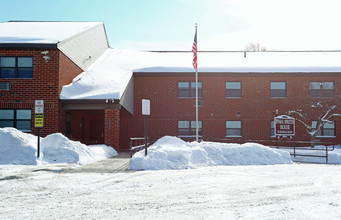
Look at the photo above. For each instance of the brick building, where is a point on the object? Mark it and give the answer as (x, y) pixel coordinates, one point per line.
(92, 93)
(36, 60)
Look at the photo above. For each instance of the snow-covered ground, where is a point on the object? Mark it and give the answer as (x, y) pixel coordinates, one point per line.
(296, 191)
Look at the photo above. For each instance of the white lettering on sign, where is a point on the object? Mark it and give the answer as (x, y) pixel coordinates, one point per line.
(39, 106)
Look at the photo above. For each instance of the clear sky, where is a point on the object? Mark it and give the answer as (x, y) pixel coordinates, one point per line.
(170, 24)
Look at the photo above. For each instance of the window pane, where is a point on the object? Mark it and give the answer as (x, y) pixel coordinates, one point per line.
(24, 125)
(233, 124)
(25, 73)
(183, 84)
(314, 85)
(193, 124)
(327, 125)
(328, 85)
(184, 93)
(193, 85)
(233, 85)
(277, 85)
(233, 93)
(313, 124)
(7, 62)
(25, 62)
(24, 114)
(7, 72)
(6, 114)
(277, 93)
(4, 124)
(328, 132)
(183, 124)
(233, 132)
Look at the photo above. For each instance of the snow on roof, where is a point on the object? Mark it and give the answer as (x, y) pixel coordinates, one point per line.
(41, 32)
(109, 76)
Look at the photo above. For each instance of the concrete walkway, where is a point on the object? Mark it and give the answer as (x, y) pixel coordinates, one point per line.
(119, 163)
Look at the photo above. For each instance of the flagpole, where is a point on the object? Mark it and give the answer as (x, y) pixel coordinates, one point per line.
(196, 98)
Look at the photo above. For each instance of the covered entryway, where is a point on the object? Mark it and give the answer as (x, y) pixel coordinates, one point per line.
(86, 126)
(93, 121)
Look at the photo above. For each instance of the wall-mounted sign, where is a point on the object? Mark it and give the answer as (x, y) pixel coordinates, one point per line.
(284, 125)
(145, 107)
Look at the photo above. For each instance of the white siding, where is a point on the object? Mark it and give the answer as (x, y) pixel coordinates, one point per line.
(84, 48)
(127, 99)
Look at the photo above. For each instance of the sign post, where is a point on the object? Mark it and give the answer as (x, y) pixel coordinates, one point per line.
(39, 120)
(284, 126)
(145, 112)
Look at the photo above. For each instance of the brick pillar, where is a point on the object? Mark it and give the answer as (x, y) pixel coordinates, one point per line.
(112, 129)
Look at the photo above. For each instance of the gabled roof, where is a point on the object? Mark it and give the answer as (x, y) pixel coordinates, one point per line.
(40, 33)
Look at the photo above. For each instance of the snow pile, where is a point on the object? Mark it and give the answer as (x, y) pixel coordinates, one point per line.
(17, 147)
(174, 153)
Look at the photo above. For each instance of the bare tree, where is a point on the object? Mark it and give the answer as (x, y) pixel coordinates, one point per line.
(316, 110)
(254, 47)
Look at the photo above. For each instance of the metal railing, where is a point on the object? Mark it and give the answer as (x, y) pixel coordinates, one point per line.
(137, 144)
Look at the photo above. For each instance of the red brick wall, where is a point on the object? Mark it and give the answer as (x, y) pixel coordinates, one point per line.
(112, 128)
(68, 70)
(256, 108)
(45, 85)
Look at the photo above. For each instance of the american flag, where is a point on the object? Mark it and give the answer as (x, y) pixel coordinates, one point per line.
(195, 50)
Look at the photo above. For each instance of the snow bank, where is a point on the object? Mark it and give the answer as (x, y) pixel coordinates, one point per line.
(174, 153)
(17, 147)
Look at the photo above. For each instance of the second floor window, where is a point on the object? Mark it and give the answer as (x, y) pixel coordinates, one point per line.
(187, 89)
(233, 90)
(188, 128)
(277, 89)
(16, 67)
(321, 89)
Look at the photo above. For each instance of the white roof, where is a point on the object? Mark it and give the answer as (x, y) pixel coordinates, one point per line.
(41, 32)
(109, 76)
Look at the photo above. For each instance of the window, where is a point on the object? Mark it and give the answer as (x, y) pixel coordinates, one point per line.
(233, 90)
(326, 130)
(321, 89)
(16, 67)
(187, 89)
(188, 128)
(272, 129)
(233, 128)
(17, 118)
(277, 89)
